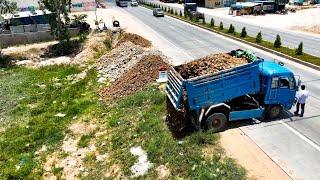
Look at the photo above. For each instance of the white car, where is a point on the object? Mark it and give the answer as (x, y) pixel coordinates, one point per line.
(134, 3)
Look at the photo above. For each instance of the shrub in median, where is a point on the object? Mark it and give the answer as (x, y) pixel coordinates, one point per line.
(204, 20)
(231, 29)
(221, 26)
(165, 9)
(171, 11)
(197, 19)
(180, 14)
(259, 37)
(277, 42)
(212, 22)
(175, 13)
(243, 33)
(299, 51)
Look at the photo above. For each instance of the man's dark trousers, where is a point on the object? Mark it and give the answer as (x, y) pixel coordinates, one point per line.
(298, 108)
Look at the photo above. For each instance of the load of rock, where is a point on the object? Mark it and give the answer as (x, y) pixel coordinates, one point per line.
(209, 64)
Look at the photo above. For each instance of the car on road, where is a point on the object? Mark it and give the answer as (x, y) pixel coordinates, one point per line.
(134, 3)
(158, 12)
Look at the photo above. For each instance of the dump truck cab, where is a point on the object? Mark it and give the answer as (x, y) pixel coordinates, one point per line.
(279, 85)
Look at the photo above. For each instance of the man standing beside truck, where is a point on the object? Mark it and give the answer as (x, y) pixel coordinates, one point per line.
(301, 96)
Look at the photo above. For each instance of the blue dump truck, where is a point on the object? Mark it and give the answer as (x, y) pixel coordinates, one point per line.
(258, 89)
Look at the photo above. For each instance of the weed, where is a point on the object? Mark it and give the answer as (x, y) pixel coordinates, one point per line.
(85, 140)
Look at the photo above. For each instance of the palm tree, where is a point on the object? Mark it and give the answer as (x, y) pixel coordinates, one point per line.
(7, 7)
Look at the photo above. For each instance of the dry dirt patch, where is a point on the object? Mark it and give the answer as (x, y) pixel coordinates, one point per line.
(163, 171)
(238, 146)
(72, 164)
(312, 29)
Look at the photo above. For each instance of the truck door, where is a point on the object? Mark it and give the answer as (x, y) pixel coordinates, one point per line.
(273, 95)
(286, 91)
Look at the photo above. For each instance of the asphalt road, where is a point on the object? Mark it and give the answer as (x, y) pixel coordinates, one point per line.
(292, 143)
(289, 38)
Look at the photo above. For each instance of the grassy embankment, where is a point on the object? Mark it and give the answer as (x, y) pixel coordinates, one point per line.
(30, 99)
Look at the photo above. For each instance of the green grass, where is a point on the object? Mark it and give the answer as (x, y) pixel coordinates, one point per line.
(285, 50)
(30, 99)
(138, 121)
(85, 140)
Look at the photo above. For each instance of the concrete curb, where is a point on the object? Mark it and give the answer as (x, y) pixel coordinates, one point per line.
(250, 43)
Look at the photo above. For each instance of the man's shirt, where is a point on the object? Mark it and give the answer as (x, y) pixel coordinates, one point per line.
(302, 96)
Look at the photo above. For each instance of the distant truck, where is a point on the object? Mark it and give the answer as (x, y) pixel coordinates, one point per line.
(260, 89)
(122, 3)
(190, 9)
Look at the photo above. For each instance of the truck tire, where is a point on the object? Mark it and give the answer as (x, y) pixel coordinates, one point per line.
(274, 112)
(216, 122)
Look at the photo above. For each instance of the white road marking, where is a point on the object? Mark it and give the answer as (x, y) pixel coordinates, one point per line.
(307, 140)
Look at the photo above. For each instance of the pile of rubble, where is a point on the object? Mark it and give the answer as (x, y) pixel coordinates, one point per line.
(137, 78)
(122, 58)
(135, 39)
(209, 64)
(112, 65)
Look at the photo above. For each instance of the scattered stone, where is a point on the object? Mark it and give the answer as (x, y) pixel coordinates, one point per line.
(41, 86)
(119, 60)
(163, 171)
(143, 165)
(101, 157)
(40, 151)
(74, 78)
(60, 115)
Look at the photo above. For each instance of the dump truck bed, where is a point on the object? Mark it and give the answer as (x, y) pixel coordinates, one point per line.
(204, 91)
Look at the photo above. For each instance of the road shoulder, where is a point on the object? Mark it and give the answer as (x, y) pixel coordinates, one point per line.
(240, 147)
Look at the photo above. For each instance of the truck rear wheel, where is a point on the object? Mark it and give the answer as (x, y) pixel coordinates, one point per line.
(274, 112)
(216, 122)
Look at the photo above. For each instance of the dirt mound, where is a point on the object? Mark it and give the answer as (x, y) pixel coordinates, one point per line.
(209, 64)
(135, 39)
(137, 78)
